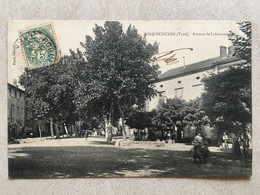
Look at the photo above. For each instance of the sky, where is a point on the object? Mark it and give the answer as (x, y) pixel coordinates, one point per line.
(204, 37)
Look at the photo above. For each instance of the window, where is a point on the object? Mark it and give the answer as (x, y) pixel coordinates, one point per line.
(179, 92)
(160, 93)
(15, 93)
(198, 78)
(179, 82)
(196, 85)
(161, 85)
(197, 89)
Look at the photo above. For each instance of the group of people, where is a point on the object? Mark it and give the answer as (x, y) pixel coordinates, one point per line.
(200, 148)
(242, 139)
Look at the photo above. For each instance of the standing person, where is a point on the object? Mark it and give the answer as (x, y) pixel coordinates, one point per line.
(86, 134)
(169, 138)
(249, 140)
(198, 141)
(225, 140)
(244, 141)
(200, 148)
(236, 145)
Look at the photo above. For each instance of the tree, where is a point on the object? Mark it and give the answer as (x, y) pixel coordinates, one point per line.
(179, 113)
(169, 115)
(195, 114)
(37, 106)
(119, 69)
(227, 97)
(242, 44)
(140, 121)
(50, 93)
(227, 101)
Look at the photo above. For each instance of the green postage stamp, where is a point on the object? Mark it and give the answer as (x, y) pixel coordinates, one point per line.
(39, 46)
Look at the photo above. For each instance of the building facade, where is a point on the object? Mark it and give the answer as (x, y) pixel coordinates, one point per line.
(186, 83)
(16, 107)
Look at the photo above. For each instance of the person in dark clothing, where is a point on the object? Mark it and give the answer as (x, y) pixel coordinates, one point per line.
(236, 147)
(200, 148)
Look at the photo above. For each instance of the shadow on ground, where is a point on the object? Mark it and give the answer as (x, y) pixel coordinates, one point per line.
(89, 161)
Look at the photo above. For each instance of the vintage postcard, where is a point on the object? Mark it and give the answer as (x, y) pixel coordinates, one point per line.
(129, 99)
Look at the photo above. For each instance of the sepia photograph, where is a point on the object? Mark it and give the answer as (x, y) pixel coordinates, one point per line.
(95, 99)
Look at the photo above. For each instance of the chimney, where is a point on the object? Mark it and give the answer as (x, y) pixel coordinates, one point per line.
(231, 50)
(223, 51)
(15, 83)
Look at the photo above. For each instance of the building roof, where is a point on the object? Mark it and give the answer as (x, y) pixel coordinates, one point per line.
(197, 67)
(228, 59)
(188, 69)
(16, 87)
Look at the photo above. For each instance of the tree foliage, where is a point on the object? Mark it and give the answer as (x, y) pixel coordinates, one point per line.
(178, 112)
(227, 96)
(118, 67)
(169, 114)
(50, 91)
(112, 76)
(242, 44)
(195, 114)
(140, 120)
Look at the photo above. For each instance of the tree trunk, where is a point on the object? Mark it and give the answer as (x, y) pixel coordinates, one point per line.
(72, 129)
(108, 129)
(109, 138)
(78, 128)
(245, 141)
(134, 137)
(57, 131)
(108, 125)
(40, 132)
(123, 120)
(51, 127)
(66, 130)
(146, 134)
(179, 134)
(110, 118)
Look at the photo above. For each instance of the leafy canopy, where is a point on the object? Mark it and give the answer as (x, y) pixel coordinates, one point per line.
(178, 112)
(119, 64)
(50, 91)
(242, 44)
(227, 96)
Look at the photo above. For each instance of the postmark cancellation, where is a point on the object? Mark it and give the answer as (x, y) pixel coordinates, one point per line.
(39, 46)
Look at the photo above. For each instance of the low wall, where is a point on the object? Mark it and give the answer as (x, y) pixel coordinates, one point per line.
(139, 143)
